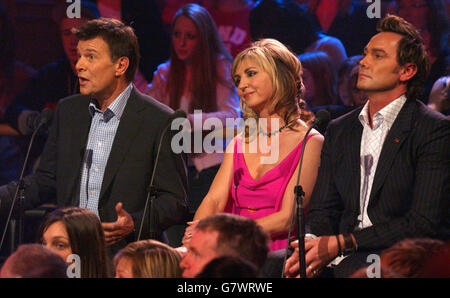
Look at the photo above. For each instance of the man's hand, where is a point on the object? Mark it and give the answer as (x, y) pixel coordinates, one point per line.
(118, 230)
(189, 232)
(319, 252)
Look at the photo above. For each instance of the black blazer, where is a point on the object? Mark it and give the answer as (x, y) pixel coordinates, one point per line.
(128, 170)
(410, 191)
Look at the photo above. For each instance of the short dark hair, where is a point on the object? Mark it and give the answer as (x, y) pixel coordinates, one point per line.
(238, 235)
(121, 40)
(411, 49)
(34, 260)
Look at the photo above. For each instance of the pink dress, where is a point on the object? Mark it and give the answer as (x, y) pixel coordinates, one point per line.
(259, 198)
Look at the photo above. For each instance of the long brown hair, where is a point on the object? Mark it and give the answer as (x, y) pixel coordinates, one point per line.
(86, 239)
(204, 63)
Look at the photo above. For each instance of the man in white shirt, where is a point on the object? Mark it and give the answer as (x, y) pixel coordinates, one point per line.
(384, 173)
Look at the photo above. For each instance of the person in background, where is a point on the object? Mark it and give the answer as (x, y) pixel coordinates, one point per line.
(320, 79)
(14, 76)
(232, 21)
(349, 95)
(147, 259)
(431, 19)
(75, 230)
(288, 22)
(197, 77)
(144, 16)
(268, 78)
(228, 267)
(346, 20)
(34, 261)
(54, 81)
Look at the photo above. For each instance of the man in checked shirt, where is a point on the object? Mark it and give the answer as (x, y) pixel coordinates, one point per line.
(103, 144)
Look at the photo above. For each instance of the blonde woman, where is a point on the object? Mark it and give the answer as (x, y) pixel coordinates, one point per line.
(268, 80)
(147, 259)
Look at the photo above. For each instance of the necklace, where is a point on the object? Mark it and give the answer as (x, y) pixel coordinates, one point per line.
(272, 133)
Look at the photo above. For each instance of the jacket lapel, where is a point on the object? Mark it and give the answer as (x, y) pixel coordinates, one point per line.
(80, 131)
(129, 126)
(392, 144)
(354, 137)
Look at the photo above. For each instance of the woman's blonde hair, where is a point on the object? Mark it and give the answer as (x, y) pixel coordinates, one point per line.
(151, 259)
(284, 70)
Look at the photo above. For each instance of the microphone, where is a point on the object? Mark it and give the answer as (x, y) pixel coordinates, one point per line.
(321, 120)
(88, 162)
(151, 193)
(322, 117)
(29, 121)
(42, 120)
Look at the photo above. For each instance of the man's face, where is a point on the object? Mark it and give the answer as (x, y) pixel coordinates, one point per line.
(202, 249)
(379, 70)
(96, 71)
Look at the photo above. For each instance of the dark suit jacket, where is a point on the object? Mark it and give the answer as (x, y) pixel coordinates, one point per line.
(128, 170)
(410, 192)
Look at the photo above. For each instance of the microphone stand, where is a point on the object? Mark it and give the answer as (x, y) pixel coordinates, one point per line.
(151, 190)
(151, 195)
(20, 195)
(299, 195)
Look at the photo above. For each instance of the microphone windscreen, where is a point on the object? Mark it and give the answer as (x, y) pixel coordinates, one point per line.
(322, 117)
(178, 114)
(46, 115)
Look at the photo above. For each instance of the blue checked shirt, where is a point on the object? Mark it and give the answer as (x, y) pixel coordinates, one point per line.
(101, 137)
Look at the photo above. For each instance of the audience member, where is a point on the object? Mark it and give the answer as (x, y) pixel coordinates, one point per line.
(430, 18)
(269, 84)
(439, 99)
(147, 259)
(197, 77)
(232, 21)
(437, 265)
(109, 121)
(77, 231)
(34, 261)
(144, 16)
(14, 76)
(408, 257)
(228, 267)
(225, 235)
(320, 79)
(349, 95)
(289, 23)
(346, 20)
(384, 172)
(55, 80)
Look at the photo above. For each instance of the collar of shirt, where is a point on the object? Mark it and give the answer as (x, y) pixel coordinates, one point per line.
(386, 114)
(115, 108)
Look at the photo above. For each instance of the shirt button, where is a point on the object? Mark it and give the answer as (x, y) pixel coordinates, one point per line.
(99, 144)
(96, 169)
